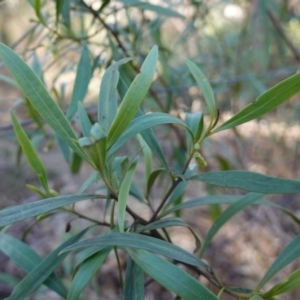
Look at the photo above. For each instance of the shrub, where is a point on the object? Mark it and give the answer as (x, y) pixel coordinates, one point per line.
(146, 241)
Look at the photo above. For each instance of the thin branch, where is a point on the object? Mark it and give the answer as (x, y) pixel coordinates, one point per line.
(283, 35)
(81, 216)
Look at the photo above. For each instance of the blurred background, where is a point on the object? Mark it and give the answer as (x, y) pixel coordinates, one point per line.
(243, 47)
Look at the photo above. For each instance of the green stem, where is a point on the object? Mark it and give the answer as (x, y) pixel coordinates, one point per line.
(119, 267)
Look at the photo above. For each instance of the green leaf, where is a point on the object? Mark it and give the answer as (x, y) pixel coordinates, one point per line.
(195, 124)
(134, 282)
(21, 212)
(75, 163)
(27, 259)
(291, 283)
(36, 93)
(32, 113)
(66, 12)
(64, 148)
(228, 214)
(250, 181)
(205, 87)
(256, 297)
(264, 103)
(134, 240)
(135, 192)
(93, 178)
(96, 147)
(169, 222)
(213, 199)
(147, 156)
(288, 255)
(123, 194)
(160, 10)
(37, 68)
(30, 153)
(42, 271)
(8, 80)
(108, 100)
(151, 140)
(59, 5)
(86, 253)
(142, 123)
(85, 273)
(170, 276)
(148, 134)
(37, 8)
(84, 120)
(134, 97)
(151, 180)
(239, 292)
(177, 194)
(224, 199)
(83, 77)
(8, 279)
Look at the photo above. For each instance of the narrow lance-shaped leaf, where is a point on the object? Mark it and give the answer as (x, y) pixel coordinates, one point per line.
(83, 77)
(124, 193)
(152, 178)
(160, 10)
(288, 255)
(139, 241)
(88, 252)
(66, 12)
(139, 124)
(170, 222)
(64, 148)
(213, 199)
(228, 214)
(256, 297)
(93, 178)
(147, 156)
(170, 276)
(27, 259)
(8, 279)
(205, 88)
(37, 68)
(85, 273)
(21, 212)
(195, 124)
(148, 134)
(135, 192)
(250, 181)
(134, 96)
(42, 271)
(292, 282)
(8, 80)
(75, 163)
(59, 5)
(30, 153)
(37, 8)
(96, 147)
(264, 103)
(222, 199)
(108, 100)
(134, 282)
(84, 120)
(151, 140)
(37, 94)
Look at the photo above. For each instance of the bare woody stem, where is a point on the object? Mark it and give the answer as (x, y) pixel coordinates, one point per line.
(171, 189)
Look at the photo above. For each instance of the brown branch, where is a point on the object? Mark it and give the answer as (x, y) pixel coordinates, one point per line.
(276, 23)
